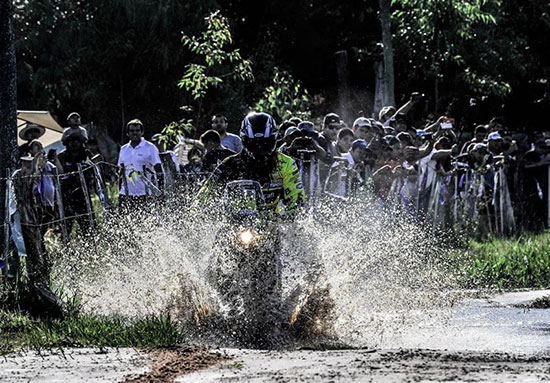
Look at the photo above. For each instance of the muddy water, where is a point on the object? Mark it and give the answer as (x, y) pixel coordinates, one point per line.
(377, 281)
(482, 325)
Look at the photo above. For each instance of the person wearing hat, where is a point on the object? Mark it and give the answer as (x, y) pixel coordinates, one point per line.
(29, 133)
(142, 167)
(358, 154)
(74, 129)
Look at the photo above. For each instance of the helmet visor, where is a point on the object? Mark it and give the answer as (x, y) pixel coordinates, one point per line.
(260, 146)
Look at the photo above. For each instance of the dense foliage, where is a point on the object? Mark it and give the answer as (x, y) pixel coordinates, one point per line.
(115, 60)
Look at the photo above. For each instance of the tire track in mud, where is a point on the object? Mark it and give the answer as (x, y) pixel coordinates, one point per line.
(173, 362)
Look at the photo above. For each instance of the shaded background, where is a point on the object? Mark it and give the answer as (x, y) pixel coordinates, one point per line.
(113, 60)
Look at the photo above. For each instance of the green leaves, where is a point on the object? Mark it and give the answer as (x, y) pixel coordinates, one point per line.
(216, 62)
(439, 37)
(285, 98)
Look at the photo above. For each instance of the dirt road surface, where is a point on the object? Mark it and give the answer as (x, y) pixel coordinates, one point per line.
(497, 340)
(378, 366)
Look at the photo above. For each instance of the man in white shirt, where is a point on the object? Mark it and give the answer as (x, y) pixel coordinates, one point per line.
(142, 166)
(229, 141)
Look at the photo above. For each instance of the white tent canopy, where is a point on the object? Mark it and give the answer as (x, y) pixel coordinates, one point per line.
(43, 118)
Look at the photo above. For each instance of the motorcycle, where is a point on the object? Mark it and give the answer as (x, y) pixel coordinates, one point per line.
(247, 267)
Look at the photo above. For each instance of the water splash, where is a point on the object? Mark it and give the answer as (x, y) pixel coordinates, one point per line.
(354, 272)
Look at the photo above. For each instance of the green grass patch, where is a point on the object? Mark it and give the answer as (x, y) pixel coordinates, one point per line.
(20, 332)
(522, 262)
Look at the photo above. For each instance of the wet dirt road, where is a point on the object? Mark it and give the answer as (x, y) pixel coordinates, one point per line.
(493, 339)
(374, 366)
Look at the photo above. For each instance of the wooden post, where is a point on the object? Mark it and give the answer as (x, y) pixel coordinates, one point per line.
(60, 207)
(86, 196)
(6, 230)
(548, 199)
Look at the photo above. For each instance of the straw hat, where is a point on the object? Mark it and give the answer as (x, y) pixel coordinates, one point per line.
(29, 128)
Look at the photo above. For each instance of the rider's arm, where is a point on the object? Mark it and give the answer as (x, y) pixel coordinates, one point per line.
(211, 185)
(294, 195)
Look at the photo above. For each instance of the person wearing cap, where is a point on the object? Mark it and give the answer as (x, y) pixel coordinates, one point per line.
(344, 141)
(361, 127)
(291, 133)
(494, 143)
(306, 139)
(228, 140)
(330, 128)
(480, 132)
(74, 129)
(399, 122)
(29, 133)
(385, 114)
(215, 152)
(73, 193)
(358, 154)
(142, 166)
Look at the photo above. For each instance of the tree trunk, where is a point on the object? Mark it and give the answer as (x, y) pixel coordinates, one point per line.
(122, 116)
(385, 20)
(380, 95)
(8, 101)
(344, 95)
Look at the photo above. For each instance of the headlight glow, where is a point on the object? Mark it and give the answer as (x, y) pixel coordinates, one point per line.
(246, 236)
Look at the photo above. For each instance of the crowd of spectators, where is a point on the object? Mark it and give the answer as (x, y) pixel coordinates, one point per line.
(485, 179)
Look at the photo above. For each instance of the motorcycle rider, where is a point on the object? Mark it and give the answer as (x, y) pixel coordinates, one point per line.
(260, 161)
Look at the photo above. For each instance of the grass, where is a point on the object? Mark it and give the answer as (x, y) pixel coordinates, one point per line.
(21, 332)
(515, 263)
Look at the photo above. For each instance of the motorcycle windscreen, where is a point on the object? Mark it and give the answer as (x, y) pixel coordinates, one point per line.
(243, 198)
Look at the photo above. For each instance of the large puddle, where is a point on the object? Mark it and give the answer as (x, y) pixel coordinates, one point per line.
(385, 282)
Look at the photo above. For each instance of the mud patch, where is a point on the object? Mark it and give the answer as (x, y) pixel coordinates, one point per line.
(539, 303)
(171, 363)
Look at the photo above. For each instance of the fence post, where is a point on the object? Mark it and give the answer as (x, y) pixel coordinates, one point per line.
(5, 254)
(86, 196)
(124, 181)
(501, 185)
(147, 191)
(101, 188)
(548, 198)
(60, 206)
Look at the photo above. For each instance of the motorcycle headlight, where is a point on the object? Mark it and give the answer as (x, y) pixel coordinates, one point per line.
(247, 236)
